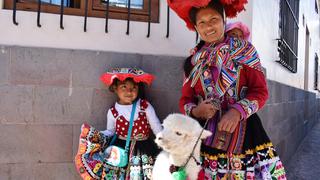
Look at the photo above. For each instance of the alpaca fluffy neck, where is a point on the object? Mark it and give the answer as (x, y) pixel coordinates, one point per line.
(181, 159)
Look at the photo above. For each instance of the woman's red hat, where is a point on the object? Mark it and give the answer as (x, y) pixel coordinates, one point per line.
(122, 74)
(182, 8)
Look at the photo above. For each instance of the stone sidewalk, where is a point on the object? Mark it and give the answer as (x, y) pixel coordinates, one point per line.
(304, 165)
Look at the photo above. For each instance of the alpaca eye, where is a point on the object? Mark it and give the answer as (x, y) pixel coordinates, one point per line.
(179, 134)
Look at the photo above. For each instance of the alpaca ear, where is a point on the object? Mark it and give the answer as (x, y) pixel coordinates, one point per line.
(205, 134)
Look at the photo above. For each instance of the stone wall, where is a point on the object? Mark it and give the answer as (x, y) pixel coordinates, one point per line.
(46, 94)
(288, 116)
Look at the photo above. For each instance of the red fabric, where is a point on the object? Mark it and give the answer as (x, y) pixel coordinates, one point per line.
(201, 175)
(182, 8)
(249, 77)
(108, 78)
(141, 127)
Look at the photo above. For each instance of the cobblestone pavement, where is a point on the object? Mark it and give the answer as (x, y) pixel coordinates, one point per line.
(304, 165)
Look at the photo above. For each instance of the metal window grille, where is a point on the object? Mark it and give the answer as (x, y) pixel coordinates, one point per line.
(288, 41)
(135, 4)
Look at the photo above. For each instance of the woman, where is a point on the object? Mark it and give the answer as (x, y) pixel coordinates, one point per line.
(223, 89)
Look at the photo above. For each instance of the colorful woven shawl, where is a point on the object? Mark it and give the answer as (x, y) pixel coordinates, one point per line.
(226, 56)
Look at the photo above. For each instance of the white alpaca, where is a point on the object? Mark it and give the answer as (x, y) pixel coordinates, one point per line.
(178, 139)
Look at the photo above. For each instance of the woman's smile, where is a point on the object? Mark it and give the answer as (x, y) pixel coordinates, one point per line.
(210, 33)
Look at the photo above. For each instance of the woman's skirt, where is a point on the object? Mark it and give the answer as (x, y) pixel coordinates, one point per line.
(90, 161)
(257, 160)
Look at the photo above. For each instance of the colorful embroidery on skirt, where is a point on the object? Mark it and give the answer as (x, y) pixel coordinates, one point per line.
(259, 163)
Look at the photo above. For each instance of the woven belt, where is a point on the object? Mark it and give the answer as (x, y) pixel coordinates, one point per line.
(137, 138)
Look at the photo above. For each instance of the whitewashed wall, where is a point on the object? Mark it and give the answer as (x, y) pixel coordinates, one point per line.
(73, 37)
(262, 19)
(265, 19)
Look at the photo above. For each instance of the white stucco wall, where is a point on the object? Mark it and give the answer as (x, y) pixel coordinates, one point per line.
(265, 32)
(50, 35)
(27, 33)
(262, 19)
(312, 22)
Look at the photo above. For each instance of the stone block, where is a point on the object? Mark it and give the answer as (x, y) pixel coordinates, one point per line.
(102, 100)
(35, 143)
(88, 66)
(40, 66)
(277, 93)
(17, 171)
(16, 104)
(318, 104)
(5, 172)
(4, 64)
(57, 171)
(271, 86)
(164, 102)
(300, 94)
(285, 94)
(167, 70)
(264, 116)
(292, 93)
(38, 171)
(58, 105)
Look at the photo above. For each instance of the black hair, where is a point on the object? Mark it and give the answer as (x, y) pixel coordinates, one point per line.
(141, 87)
(187, 66)
(214, 4)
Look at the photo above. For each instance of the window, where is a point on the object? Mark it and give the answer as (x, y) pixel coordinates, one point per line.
(118, 9)
(288, 41)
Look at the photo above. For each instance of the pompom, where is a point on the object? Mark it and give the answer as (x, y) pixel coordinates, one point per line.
(182, 8)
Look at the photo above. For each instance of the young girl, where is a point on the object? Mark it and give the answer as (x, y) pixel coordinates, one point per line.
(127, 84)
(238, 30)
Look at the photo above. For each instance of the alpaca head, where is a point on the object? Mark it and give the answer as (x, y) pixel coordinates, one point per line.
(179, 134)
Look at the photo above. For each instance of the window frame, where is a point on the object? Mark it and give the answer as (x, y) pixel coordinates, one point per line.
(97, 10)
(288, 40)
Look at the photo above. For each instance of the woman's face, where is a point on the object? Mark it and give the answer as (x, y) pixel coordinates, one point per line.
(209, 25)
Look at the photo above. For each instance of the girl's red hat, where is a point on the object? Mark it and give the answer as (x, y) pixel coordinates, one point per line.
(182, 8)
(121, 74)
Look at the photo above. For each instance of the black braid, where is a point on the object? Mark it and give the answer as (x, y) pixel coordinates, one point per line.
(187, 66)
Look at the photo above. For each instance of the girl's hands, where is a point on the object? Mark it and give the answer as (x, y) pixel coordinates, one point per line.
(229, 121)
(204, 110)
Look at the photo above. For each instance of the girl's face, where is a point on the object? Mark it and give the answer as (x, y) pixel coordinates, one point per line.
(127, 92)
(237, 33)
(209, 25)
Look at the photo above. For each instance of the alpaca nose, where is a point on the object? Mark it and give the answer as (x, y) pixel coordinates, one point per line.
(159, 138)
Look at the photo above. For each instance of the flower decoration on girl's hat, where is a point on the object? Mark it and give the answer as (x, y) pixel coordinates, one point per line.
(182, 8)
(121, 74)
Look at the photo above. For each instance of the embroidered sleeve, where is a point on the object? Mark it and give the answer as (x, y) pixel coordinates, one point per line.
(186, 102)
(256, 93)
(246, 107)
(153, 119)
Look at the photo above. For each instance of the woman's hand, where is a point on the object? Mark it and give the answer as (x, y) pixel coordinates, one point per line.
(229, 121)
(204, 110)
